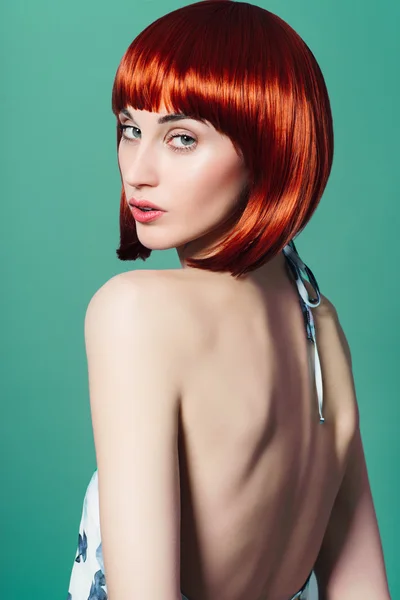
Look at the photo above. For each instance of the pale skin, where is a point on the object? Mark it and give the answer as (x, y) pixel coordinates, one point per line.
(215, 476)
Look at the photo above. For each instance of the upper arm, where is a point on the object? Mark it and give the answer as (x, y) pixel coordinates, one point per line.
(350, 564)
(134, 400)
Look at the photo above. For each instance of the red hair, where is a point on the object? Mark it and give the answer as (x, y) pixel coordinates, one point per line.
(248, 73)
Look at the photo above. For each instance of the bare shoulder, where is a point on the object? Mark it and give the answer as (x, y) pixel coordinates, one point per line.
(326, 309)
(337, 370)
(154, 286)
(328, 322)
(158, 301)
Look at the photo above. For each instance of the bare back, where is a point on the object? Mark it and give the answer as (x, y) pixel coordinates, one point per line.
(268, 493)
(259, 473)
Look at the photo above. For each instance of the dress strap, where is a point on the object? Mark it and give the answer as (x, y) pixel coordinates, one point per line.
(297, 268)
(302, 593)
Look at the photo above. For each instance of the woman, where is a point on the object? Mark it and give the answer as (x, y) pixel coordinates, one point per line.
(226, 427)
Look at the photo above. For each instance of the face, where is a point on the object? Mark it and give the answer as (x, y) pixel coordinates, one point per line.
(186, 168)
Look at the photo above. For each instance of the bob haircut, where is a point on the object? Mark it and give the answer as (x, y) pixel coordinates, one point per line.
(249, 74)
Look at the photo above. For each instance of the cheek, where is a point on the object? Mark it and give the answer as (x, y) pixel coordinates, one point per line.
(121, 161)
(218, 187)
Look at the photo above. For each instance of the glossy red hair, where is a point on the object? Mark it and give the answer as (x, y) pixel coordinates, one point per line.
(248, 73)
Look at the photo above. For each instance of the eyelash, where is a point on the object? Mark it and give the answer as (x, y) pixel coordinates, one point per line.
(124, 138)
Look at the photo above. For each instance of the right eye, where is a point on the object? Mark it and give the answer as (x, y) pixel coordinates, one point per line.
(124, 128)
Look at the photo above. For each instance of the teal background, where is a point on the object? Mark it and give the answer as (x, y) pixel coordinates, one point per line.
(59, 230)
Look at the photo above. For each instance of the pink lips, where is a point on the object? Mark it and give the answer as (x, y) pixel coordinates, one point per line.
(145, 217)
(143, 204)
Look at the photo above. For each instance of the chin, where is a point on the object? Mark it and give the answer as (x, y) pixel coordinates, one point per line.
(155, 238)
(159, 242)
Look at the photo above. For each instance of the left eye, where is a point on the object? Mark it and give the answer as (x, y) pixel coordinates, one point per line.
(182, 135)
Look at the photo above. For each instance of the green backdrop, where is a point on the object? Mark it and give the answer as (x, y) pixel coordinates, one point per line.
(59, 231)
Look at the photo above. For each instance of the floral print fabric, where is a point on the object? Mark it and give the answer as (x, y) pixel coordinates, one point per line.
(87, 580)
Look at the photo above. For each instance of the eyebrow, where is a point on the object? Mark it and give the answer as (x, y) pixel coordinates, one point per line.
(168, 118)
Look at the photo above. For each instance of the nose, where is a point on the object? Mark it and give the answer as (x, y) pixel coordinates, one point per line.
(139, 165)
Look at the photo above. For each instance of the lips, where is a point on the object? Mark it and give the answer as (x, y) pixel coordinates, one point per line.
(143, 204)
